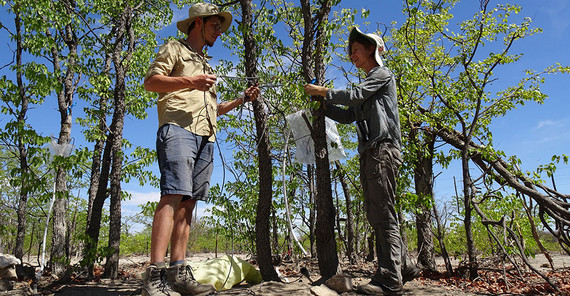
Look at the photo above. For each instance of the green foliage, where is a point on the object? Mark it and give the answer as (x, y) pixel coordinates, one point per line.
(135, 243)
(281, 81)
(444, 70)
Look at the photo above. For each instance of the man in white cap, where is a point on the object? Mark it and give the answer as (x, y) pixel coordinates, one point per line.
(187, 110)
(373, 106)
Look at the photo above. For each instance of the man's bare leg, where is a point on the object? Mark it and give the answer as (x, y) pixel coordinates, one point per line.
(162, 226)
(181, 230)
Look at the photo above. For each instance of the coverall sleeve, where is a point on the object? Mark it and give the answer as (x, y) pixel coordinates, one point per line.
(360, 93)
(339, 114)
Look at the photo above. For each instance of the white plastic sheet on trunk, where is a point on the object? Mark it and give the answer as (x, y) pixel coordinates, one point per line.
(305, 152)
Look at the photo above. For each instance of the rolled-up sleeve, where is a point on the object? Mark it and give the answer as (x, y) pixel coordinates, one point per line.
(163, 63)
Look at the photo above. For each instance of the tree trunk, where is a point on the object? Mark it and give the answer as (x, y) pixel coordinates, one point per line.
(440, 236)
(68, 83)
(349, 225)
(94, 226)
(98, 183)
(423, 178)
(312, 209)
(326, 242)
(112, 264)
(58, 248)
(262, 222)
(467, 220)
(22, 149)
(125, 34)
(65, 101)
(95, 170)
(98, 150)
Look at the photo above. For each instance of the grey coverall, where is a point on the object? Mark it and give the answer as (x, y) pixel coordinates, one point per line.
(373, 106)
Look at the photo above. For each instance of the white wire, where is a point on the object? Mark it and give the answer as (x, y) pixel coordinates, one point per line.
(287, 209)
(42, 263)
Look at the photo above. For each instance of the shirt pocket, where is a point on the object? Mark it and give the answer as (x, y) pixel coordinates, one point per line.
(189, 64)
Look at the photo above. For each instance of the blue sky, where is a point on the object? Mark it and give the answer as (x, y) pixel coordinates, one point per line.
(533, 132)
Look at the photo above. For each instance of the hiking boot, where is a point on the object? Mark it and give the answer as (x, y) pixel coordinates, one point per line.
(376, 288)
(182, 280)
(155, 283)
(410, 274)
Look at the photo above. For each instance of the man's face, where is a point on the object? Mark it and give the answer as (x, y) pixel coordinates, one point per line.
(212, 30)
(361, 55)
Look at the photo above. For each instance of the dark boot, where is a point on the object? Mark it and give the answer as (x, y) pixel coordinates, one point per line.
(155, 284)
(376, 288)
(410, 273)
(182, 280)
(409, 269)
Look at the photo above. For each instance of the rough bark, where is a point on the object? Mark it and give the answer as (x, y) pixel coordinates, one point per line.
(68, 82)
(262, 222)
(101, 163)
(22, 148)
(423, 179)
(125, 34)
(94, 226)
(349, 216)
(95, 166)
(440, 237)
(312, 209)
(312, 63)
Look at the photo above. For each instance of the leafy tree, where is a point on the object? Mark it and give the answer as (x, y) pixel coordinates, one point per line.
(125, 48)
(456, 87)
(20, 140)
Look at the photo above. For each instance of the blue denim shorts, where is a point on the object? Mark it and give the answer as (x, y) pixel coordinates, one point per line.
(186, 161)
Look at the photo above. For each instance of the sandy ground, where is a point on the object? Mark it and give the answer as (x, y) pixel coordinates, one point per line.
(132, 268)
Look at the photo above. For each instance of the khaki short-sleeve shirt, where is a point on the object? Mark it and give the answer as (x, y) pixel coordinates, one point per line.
(191, 109)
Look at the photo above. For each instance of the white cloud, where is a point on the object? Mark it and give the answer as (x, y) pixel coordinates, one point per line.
(141, 198)
(545, 123)
(201, 208)
(556, 12)
(558, 125)
(179, 14)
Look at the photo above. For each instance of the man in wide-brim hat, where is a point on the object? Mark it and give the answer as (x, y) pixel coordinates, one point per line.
(204, 10)
(187, 111)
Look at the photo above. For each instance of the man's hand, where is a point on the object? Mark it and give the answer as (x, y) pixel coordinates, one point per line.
(251, 93)
(162, 83)
(203, 82)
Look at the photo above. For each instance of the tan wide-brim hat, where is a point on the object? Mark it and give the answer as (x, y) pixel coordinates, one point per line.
(201, 10)
(375, 39)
